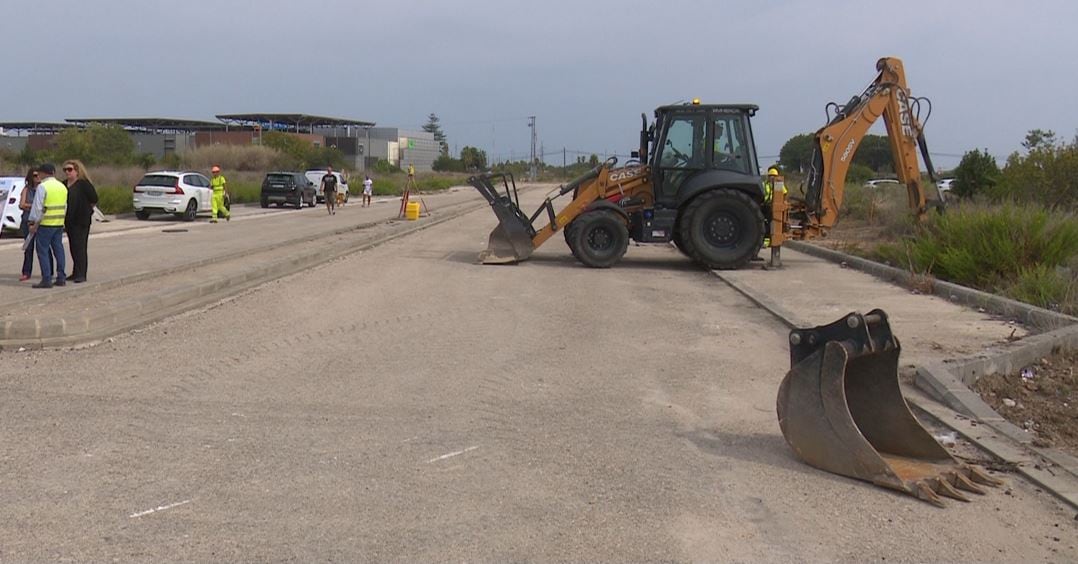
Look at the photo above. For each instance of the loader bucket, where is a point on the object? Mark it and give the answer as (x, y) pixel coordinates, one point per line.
(511, 240)
(841, 409)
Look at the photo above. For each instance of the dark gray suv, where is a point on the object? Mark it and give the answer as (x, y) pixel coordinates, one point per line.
(290, 188)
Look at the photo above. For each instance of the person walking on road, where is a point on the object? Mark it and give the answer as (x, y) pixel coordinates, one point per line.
(47, 214)
(81, 199)
(368, 189)
(329, 190)
(219, 185)
(26, 199)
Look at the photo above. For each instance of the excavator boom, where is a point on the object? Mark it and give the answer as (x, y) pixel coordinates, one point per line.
(889, 97)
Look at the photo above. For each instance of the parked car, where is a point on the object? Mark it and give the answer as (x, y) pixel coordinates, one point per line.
(945, 184)
(315, 176)
(10, 191)
(877, 181)
(185, 194)
(292, 188)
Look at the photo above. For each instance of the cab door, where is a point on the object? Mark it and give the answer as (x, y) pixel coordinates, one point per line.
(682, 152)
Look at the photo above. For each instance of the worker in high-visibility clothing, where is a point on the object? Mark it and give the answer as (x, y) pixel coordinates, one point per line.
(47, 215)
(218, 183)
(769, 194)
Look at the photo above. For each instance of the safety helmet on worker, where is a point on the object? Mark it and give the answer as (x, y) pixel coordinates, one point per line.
(772, 171)
(215, 168)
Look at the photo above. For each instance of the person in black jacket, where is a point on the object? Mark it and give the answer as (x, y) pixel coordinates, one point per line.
(81, 199)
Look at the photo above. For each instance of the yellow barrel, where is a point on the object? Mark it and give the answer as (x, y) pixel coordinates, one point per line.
(411, 212)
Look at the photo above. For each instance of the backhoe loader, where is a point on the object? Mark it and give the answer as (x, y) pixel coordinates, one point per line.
(840, 407)
(700, 187)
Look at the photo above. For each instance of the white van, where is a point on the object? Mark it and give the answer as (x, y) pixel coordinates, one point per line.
(315, 176)
(10, 192)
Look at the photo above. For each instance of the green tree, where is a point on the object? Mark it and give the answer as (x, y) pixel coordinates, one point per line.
(875, 153)
(977, 173)
(433, 126)
(1047, 174)
(97, 144)
(473, 158)
(593, 160)
(1039, 139)
(796, 153)
(445, 163)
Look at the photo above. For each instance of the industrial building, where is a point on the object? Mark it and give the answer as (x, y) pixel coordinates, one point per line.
(360, 142)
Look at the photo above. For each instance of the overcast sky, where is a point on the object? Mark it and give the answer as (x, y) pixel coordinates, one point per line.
(587, 69)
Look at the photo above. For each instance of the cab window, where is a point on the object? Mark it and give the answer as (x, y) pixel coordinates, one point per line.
(684, 146)
(730, 150)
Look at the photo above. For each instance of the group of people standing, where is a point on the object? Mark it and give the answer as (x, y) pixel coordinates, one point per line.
(50, 207)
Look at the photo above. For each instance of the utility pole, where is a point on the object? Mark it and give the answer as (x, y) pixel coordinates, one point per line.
(533, 173)
(563, 164)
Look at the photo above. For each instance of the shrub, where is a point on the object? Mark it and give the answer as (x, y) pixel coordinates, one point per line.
(1047, 174)
(1051, 288)
(1008, 248)
(977, 173)
(253, 158)
(114, 199)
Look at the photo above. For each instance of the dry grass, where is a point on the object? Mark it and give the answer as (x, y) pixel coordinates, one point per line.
(245, 158)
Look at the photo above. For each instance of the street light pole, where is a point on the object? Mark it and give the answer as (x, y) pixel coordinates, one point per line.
(533, 171)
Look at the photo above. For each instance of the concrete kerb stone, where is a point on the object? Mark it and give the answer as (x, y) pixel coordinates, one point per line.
(28, 333)
(1032, 316)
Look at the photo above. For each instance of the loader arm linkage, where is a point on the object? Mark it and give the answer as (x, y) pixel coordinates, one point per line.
(516, 237)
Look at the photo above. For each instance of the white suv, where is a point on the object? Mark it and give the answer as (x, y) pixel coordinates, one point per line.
(315, 176)
(185, 194)
(10, 191)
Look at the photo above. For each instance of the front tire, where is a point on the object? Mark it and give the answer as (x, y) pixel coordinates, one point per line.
(599, 239)
(142, 215)
(722, 229)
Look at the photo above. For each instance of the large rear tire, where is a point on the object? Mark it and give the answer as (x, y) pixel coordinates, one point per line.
(599, 239)
(722, 229)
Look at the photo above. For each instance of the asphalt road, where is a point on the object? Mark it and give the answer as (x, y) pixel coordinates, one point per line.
(416, 406)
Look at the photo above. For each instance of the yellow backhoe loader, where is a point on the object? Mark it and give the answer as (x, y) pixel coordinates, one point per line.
(840, 406)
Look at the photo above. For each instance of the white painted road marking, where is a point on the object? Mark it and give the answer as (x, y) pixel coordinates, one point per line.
(452, 454)
(161, 508)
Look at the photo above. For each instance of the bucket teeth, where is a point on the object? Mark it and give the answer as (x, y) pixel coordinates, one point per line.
(960, 481)
(982, 478)
(943, 487)
(924, 492)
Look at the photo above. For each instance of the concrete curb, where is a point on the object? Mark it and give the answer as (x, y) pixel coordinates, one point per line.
(40, 333)
(1032, 316)
(949, 383)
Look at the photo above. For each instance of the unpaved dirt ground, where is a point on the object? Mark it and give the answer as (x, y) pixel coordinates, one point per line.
(405, 404)
(1042, 398)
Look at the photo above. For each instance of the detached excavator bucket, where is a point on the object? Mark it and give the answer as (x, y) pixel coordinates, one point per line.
(511, 240)
(841, 410)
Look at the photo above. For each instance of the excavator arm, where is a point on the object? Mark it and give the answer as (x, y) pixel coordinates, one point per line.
(836, 143)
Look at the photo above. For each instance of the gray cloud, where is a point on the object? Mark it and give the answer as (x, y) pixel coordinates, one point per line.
(993, 69)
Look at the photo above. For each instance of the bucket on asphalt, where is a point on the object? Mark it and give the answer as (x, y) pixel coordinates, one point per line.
(411, 212)
(841, 409)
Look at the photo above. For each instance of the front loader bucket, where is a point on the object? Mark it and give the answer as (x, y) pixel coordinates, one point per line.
(511, 240)
(841, 409)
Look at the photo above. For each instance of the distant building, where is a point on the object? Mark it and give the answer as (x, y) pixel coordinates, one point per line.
(402, 147)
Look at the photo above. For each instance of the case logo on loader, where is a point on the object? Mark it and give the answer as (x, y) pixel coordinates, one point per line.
(625, 174)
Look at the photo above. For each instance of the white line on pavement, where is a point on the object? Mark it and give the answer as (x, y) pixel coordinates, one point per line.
(161, 508)
(452, 454)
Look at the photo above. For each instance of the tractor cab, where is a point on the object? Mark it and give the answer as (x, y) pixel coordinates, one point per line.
(695, 147)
